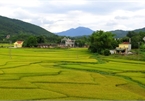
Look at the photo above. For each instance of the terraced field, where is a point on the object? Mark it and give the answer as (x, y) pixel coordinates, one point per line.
(68, 74)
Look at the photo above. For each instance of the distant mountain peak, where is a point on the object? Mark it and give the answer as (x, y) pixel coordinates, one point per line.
(79, 31)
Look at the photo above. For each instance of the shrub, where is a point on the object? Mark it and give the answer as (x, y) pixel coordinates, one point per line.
(107, 52)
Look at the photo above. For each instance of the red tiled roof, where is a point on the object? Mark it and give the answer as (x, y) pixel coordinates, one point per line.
(19, 42)
(125, 43)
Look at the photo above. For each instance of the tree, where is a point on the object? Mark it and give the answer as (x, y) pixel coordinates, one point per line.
(40, 39)
(125, 39)
(100, 40)
(134, 41)
(136, 37)
(107, 52)
(30, 42)
(130, 34)
(81, 41)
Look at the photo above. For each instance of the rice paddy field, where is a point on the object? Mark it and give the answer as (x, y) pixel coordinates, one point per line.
(5, 45)
(68, 74)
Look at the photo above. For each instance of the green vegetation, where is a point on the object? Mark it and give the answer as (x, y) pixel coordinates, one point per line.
(19, 30)
(4, 45)
(14, 27)
(100, 41)
(69, 74)
(136, 38)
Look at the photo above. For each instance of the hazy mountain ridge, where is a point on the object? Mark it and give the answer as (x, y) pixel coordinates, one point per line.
(80, 31)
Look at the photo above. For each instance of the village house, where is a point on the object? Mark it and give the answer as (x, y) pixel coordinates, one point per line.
(18, 44)
(68, 42)
(43, 45)
(123, 48)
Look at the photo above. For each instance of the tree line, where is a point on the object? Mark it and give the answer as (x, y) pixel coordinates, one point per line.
(101, 42)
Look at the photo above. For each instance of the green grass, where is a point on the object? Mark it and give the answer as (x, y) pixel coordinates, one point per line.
(2, 45)
(69, 74)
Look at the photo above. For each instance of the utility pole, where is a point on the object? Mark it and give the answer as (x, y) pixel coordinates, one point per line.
(77, 50)
(138, 49)
(8, 37)
(10, 51)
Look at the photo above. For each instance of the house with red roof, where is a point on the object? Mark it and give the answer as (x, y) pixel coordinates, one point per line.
(18, 44)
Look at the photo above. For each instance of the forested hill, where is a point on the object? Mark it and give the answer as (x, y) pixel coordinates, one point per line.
(119, 33)
(13, 27)
(122, 33)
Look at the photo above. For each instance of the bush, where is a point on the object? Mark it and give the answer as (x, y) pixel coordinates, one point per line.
(142, 48)
(107, 52)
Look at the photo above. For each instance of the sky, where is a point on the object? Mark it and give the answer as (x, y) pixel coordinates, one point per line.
(61, 15)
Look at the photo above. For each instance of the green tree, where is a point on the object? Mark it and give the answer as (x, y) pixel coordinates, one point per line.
(136, 38)
(131, 34)
(107, 52)
(81, 41)
(30, 42)
(40, 39)
(125, 39)
(100, 40)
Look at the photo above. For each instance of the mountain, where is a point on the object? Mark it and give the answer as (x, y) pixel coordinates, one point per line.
(14, 27)
(119, 33)
(140, 30)
(122, 33)
(79, 31)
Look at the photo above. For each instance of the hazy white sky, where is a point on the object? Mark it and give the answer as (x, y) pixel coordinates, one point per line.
(60, 15)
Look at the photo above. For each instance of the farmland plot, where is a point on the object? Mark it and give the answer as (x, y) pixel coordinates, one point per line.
(67, 74)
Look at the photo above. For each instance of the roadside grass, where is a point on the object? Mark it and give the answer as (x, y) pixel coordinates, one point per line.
(45, 74)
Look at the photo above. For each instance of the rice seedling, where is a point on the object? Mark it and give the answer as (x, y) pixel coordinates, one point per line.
(28, 94)
(43, 74)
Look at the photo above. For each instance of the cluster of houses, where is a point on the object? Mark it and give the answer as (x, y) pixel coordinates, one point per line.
(123, 48)
(65, 42)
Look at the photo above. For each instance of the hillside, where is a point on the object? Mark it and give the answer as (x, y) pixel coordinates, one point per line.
(122, 33)
(138, 30)
(79, 31)
(14, 27)
(119, 33)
